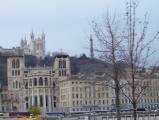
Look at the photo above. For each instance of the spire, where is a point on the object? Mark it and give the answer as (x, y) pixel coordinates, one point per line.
(25, 40)
(22, 43)
(32, 35)
(43, 36)
(91, 47)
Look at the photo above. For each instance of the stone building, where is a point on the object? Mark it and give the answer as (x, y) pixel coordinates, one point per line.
(35, 86)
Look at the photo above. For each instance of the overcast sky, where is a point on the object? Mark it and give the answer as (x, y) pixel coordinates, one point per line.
(65, 22)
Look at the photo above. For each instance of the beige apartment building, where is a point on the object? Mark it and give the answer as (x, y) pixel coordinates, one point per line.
(85, 95)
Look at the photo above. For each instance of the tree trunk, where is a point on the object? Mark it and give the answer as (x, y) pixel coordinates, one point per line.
(117, 100)
(135, 110)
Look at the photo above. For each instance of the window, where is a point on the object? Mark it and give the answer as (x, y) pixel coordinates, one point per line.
(81, 95)
(107, 95)
(41, 100)
(40, 81)
(59, 73)
(60, 65)
(26, 99)
(16, 84)
(77, 102)
(35, 101)
(54, 85)
(54, 104)
(35, 81)
(73, 103)
(13, 84)
(27, 106)
(15, 72)
(76, 95)
(72, 89)
(112, 101)
(63, 72)
(64, 64)
(103, 102)
(46, 81)
(18, 72)
(17, 63)
(31, 104)
(12, 72)
(13, 63)
(26, 85)
(73, 96)
(54, 97)
(30, 82)
(46, 97)
(19, 85)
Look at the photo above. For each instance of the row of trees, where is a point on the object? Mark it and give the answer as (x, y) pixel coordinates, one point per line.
(122, 43)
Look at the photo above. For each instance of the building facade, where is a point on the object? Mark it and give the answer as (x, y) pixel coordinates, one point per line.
(54, 88)
(36, 46)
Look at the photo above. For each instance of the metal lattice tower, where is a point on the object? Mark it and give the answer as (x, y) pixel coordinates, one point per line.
(91, 48)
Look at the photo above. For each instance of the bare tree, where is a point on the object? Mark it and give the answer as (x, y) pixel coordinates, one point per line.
(136, 54)
(109, 47)
(130, 46)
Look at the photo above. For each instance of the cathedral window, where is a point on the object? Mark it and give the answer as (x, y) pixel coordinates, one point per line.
(13, 63)
(15, 72)
(16, 84)
(46, 81)
(40, 81)
(41, 100)
(35, 101)
(18, 72)
(35, 81)
(60, 64)
(17, 63)
(64, 63)
(59, 73)
(64, 73)
(46, 97)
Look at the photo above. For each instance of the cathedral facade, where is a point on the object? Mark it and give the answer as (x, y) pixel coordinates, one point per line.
(34, 86)
(36, 46)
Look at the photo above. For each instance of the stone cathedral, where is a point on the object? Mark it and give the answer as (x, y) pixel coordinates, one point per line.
(35, 47)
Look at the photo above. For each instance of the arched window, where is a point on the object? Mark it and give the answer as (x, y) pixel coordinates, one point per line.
(17, 63)
(35, 81)
(40, 81)
(46, 81)
(13, 63)
(60, 64)
(64, 63)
